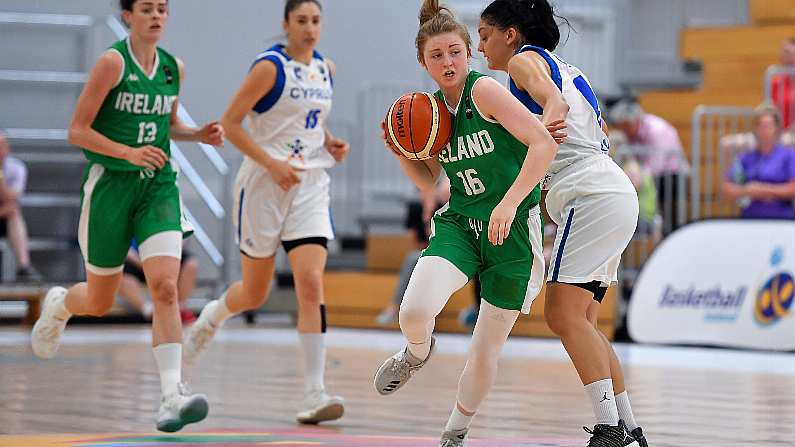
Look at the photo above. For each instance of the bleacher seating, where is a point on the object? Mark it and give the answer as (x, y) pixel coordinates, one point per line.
(734, 62)
(354, 299)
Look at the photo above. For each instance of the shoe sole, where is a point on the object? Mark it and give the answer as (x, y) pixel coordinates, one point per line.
(194, 412)
(38, 352)
(328, 413)
(190, 355)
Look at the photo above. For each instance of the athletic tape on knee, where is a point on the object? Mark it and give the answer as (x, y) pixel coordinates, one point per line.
(322, 318)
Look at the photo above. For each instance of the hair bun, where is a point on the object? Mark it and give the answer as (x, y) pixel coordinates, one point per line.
(431, 9)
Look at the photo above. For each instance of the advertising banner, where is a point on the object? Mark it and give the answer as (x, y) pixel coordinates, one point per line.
(721, 282)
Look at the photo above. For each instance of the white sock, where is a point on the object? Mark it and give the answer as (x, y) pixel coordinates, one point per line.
(219, 313)
(314, 350)
(458, 420)
(603, 401)
(420, 350)
(168, 357)
(625, 411)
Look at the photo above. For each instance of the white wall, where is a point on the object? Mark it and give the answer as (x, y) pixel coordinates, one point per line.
(372, 41)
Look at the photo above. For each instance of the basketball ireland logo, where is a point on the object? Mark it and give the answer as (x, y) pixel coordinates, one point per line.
(774, 299)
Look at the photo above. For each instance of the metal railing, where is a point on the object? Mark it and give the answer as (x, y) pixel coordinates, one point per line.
(80, 21)
(215, 206)
(719, 134)
(662, 200)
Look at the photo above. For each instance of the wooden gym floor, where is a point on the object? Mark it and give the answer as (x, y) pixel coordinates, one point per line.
(102, 390)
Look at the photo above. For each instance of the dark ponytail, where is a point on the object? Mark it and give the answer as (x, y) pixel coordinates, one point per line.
(535, 20)
(291, 5)
(126, 5)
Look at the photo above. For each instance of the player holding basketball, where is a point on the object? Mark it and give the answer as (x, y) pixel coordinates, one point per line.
(497, 155)
(590, 199)
(282, 193)
(124, 121)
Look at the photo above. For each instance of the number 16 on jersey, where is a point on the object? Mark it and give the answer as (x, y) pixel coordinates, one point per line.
(472, 185)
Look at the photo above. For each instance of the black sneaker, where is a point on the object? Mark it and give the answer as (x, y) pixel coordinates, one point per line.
(636, 435)
(28, 274)
(604, 435)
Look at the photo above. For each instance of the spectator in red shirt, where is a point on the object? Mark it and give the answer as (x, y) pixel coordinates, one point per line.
(782, 86)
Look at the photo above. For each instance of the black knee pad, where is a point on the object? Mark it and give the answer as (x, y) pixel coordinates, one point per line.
(289, 245)
(599, 291)
(322, 318)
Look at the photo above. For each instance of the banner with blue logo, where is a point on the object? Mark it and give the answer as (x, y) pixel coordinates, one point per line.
(721, 282)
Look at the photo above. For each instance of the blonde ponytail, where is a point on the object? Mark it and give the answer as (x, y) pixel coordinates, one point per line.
(428, 10)
(438, 19)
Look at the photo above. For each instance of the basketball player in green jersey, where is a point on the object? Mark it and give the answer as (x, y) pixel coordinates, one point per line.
(124, 121)
(491, 227)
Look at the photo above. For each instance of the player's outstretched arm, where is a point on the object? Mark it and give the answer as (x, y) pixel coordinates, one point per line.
(258, 83)
(424, 173)
(532, 74)
(497, 103)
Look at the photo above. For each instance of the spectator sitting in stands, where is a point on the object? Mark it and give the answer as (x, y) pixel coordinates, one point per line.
(418, 219)
(664, 157)
(762, 180)
(133, 280)
(12, 223)
(782, 86)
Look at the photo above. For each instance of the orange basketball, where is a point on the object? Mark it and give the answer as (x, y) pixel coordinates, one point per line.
(419, 125)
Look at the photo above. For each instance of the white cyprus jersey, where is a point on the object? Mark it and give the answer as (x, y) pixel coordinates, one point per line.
(288, 122)
(584, 120)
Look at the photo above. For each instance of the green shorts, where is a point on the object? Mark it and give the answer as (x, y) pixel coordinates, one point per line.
(511, 274)
(117, 206)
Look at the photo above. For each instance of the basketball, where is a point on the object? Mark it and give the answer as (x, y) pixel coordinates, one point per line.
(419, 125)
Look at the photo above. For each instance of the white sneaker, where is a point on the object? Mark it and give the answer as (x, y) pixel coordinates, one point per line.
(148, 310)
(454, 438)
(398, 369)
(319, 406)
(180, 409)
(46, 334)
(199, 335)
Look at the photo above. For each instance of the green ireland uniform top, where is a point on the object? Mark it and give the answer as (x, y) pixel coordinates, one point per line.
(482, 160)
(137, 110)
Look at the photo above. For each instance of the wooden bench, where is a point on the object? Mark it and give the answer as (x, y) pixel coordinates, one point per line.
(32, 295)
(354, 299)
(772, 12)
(385, 252)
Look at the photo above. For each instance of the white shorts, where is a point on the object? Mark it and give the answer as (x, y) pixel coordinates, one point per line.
(596, 209)
(264, 215)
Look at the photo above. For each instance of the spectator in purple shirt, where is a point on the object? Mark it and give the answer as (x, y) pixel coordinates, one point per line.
(762, 180)
(14, 176)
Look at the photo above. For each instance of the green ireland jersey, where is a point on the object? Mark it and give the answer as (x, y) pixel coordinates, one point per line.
(137, 110)
(482, 160)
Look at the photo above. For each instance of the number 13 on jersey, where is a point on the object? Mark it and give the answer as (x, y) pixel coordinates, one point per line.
(472, 185)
